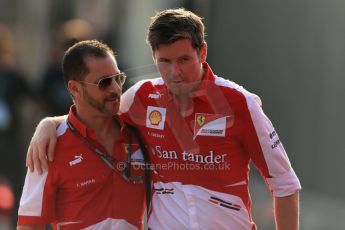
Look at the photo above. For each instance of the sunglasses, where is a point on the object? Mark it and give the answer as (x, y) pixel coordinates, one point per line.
(105, 82)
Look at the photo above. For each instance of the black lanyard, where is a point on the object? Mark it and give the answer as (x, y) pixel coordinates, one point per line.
(148, 184)
(109, 160)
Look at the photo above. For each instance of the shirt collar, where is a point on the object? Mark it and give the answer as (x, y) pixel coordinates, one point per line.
(202, 90)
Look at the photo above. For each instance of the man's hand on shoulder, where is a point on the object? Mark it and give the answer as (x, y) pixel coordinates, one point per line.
(43, 143)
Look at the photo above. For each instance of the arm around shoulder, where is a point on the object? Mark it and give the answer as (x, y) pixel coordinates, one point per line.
(43, 142)
(54, 121)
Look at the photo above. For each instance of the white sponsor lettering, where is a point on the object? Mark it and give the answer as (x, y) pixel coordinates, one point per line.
(86, 182)
(165, 154)
(157, 135)
(77, 160)
(155, 95)
(210, 158)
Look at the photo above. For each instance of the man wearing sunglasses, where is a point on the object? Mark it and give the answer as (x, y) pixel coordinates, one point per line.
(90, 183)
(202, 132)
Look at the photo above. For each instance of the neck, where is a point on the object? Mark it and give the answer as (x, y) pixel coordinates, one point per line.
(104, 126)
(184, 103)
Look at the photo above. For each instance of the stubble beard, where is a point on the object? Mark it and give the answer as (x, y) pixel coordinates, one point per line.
(101, 106)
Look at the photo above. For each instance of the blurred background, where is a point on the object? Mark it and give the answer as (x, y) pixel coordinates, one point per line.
(290, 53)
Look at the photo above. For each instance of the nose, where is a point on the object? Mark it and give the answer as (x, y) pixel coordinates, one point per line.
(176, 69)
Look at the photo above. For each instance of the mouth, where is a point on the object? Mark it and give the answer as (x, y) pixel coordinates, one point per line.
(112, 98)
(116, 100)
(177, 82)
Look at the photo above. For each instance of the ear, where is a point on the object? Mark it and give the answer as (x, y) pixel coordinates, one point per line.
(74, 88)
(203, 53)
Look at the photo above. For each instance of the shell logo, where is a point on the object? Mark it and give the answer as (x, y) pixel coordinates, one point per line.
(155, 117)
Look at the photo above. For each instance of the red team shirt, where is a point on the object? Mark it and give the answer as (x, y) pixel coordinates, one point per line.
(201, 160)
(80, 191)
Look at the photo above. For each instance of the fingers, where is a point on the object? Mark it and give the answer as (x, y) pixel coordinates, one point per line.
(43, 160)
(41, 155)
(51, 148)
(36, 161)
(29, 160)
(42, 145)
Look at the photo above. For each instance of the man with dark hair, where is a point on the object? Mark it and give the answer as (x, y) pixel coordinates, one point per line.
(84, 186)
(202, 132)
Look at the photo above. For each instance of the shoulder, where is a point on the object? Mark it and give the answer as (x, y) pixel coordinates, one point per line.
(64, 143)
(61, 129)
(145, 85)
(140, 89)
(232, 89)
